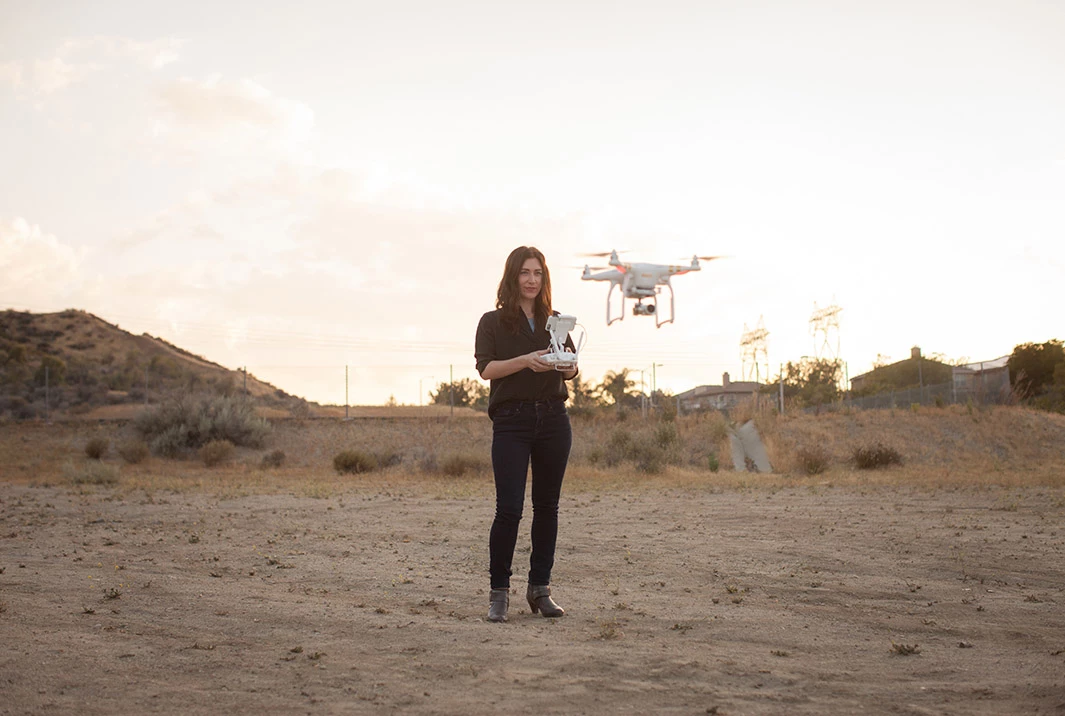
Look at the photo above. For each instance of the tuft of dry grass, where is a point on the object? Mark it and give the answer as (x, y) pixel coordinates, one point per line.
(217, 452)
(354, 462)
(96, 448)
(812, 460)
(274, 458)
(134, 452)
(876, 455)
(92, 472)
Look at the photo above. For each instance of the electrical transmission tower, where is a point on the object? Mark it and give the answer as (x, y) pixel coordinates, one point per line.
(755, 351)
(824, 326)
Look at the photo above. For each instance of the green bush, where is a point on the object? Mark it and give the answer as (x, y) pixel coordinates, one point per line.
(217, 452)
(869, 457)
(354, 462)
(712, 462)
(813, 461)
(97, 447)
(274, 458)
(188, 422)
(134, 451)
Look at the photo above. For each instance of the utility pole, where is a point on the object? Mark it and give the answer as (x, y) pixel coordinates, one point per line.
(145, 386)
(451, 390)
(245, 380)
(345, 392)
(643, 396)
(421, 398)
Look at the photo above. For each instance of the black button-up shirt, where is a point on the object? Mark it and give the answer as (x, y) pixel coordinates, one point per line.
(495, 342)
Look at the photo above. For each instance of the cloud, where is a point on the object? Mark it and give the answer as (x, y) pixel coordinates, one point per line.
(153, 54)
(36, 269)
(231, 116)
(11, 74)
(55, 74)
(76, 59)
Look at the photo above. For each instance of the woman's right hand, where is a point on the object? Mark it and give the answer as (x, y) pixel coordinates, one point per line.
(535, 362)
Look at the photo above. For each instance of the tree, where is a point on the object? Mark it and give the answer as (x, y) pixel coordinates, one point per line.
(812, 381)
(584, 395)
(466, 392)
(618, 386)
(1032, 367)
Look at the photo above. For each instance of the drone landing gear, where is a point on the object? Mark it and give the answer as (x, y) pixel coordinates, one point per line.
(621, 315)
(652, 310)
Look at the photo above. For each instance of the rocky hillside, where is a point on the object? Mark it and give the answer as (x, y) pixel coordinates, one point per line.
(74, 363)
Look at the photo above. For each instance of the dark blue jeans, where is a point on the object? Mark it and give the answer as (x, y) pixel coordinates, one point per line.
(523, 433)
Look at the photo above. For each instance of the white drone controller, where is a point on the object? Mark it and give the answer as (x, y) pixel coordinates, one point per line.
(557, 355)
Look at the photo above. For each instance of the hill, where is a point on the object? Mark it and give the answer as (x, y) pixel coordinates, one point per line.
(75, 363)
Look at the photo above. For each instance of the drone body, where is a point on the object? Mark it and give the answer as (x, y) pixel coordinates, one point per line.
(640, 281)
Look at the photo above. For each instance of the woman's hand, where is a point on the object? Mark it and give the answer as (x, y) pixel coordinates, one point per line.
(535, 363)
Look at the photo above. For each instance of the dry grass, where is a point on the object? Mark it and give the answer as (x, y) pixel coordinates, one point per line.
(942, 448)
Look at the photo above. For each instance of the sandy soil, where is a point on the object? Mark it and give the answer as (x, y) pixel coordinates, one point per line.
(801, 600)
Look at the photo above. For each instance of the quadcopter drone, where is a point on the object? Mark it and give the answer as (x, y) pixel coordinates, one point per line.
(640, 281)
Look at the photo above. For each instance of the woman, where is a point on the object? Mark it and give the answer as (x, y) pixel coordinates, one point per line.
(529, 424)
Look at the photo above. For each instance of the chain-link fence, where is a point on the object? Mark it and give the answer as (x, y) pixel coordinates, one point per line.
(941, 394)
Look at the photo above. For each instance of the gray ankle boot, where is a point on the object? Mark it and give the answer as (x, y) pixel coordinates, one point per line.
(498, 603)
(539, 596)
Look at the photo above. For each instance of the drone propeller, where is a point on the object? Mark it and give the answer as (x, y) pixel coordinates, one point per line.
(604, 254)
(591, 268)
(705, 258)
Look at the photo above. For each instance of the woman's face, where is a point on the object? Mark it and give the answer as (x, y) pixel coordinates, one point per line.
(530, 279)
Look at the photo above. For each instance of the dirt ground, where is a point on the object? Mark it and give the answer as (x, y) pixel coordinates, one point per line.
(806, 599)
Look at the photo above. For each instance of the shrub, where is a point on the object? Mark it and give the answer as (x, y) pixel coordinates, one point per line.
(217, 452)
(354, 462)
(647, 457)
(666, 435)
(458, 465)
(428, 462)
(869, 457)
(813, 461)
(189, 422)
(388, 459)
(712, 462)
(134, 451)
(97, 447)
(617, 447)
(91, 473)
(274, 458)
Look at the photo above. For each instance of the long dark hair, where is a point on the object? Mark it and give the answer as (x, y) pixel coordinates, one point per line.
(509, 292)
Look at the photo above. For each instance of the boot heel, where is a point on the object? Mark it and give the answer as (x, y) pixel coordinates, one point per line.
(540, 600)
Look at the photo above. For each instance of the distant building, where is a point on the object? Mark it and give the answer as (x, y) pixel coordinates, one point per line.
(983, 381)
(717, 397)
(913, 372)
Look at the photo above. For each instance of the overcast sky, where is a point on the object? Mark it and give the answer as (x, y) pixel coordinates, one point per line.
(296, 187)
